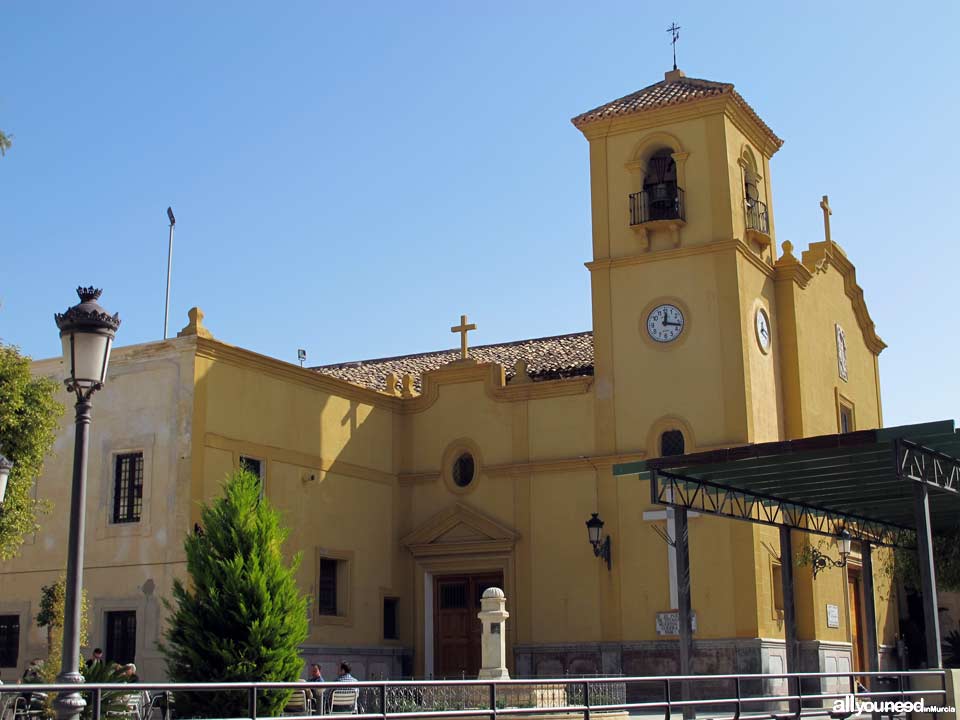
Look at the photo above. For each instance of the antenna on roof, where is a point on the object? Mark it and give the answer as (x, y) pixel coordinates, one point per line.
(674, 29)
(301, 356)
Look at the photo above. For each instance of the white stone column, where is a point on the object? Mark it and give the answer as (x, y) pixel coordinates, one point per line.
(493, 616)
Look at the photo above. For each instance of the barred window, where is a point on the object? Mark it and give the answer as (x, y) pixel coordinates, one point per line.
(121, 636)
(128, 488)
(671, 443)
(327, 595)
(9, 640)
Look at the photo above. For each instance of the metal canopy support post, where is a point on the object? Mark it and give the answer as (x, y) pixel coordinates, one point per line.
(928, 576)
(683, 603)
(789, 608)
(870, 608)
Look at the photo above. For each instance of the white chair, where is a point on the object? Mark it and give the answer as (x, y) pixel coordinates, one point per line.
(130, 707)
(297, 704)
(344, 701)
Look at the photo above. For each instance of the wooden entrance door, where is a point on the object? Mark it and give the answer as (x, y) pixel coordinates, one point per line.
(456, 629)
(856, 614)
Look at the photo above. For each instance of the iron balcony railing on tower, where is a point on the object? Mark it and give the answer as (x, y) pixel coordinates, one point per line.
(658, 202)
(757, 217)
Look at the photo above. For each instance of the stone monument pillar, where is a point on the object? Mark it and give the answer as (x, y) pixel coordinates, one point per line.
(493, 615)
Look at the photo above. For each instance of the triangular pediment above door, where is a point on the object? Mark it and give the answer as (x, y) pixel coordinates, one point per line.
(460, 530)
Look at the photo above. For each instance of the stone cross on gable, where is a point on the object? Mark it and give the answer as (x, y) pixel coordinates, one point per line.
(463, 329)
(827, 212)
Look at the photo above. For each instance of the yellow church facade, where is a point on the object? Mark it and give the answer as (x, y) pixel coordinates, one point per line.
(411, 484)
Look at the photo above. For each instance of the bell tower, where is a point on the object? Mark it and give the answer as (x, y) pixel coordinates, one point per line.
(683, 253)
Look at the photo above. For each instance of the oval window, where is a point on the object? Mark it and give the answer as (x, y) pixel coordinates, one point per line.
(463, 470)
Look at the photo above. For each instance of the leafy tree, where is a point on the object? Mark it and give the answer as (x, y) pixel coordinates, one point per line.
(5, 142)
(52, 607)
(946, 561)
(29, 416)
(242, 616)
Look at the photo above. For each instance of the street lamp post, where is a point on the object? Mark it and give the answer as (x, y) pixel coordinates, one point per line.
(87, 332)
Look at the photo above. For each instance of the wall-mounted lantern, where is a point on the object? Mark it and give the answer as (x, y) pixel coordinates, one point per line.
(821, 561)
(601, 548)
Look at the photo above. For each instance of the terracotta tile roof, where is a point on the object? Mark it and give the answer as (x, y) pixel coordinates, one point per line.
(548, 358)
(673, 91)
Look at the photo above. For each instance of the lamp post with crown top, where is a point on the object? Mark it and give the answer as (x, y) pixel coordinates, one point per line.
(86, 332)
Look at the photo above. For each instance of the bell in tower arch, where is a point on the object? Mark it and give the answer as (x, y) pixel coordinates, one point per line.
(661, 186)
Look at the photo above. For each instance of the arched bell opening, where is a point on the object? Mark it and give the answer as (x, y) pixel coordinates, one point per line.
(661, 197)
(755, 210)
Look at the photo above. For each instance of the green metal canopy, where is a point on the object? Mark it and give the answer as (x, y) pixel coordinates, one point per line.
(861, 481)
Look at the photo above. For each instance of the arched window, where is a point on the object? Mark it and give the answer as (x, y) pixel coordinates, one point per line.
(671, 443)
(755, 209)
(662, 198)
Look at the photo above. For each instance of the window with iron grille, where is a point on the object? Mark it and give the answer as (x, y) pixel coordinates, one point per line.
(327, 592)
(9, 640)
(671, 443)
(390, 612)
(453, 595)
(128, 488)
(121, 644)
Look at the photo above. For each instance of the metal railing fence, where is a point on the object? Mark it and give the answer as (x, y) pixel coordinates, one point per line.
(774, 697)
(757, 217)
(647, 206)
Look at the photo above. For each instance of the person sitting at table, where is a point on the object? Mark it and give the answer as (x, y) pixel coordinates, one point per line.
(345, 675)
(317, 677)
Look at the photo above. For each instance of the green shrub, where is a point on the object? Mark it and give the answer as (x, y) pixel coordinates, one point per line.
(242, 616)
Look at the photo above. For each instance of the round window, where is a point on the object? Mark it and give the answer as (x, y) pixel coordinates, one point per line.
(463, 470)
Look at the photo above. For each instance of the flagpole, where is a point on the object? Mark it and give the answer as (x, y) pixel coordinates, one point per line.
(166, 307)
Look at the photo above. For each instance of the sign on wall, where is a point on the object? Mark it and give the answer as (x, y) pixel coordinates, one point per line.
(668, 623)
(833, 616)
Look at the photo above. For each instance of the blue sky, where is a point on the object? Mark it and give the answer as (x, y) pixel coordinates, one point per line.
(350, 177)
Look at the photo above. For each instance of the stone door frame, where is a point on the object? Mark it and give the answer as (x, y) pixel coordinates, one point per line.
(457, 541)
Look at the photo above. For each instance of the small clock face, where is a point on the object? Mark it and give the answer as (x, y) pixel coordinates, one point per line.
(763, 329)
(665, 323)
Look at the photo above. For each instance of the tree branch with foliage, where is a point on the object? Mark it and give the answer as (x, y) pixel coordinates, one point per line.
(29, 418)
(52, 607)
(946, 560)
(5, 142)
(241, 617)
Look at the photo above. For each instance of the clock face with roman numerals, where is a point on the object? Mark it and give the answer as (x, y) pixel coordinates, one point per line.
(665, 323)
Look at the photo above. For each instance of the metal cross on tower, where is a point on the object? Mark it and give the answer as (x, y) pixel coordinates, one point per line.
(674, 29)
(463, 328)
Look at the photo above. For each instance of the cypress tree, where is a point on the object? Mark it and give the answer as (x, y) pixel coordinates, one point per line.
(242, 616)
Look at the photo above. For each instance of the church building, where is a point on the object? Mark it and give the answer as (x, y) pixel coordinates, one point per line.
(411, 484)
